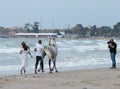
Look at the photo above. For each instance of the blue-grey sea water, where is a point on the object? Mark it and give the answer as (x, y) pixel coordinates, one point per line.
(72, 54)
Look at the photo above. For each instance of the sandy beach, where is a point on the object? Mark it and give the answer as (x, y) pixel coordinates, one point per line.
(76, 79)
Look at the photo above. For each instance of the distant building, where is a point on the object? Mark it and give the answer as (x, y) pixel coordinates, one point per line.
(35, 35)
(61, 34)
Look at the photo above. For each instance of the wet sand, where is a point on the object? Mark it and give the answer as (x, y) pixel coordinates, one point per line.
(75, 79)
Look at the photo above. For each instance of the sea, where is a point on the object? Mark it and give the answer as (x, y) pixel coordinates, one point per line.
(73, 54)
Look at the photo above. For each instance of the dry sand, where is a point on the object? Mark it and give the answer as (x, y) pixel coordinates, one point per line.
(76, 79)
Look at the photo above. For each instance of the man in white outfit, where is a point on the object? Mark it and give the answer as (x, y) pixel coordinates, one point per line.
(39, 51)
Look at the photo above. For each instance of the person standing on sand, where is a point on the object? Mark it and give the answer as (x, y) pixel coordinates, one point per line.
(112, 48)
(39, 51)
(24, 51)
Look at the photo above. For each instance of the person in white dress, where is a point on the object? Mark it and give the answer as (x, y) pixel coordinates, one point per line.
(24, 51)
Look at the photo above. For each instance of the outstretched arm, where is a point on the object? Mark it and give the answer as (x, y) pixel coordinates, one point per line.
(30, 54)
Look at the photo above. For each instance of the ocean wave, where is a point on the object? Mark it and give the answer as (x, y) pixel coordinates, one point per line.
(9, 50)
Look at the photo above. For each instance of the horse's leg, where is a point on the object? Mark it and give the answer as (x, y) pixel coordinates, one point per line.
(56, 68)
(50, 66)
(55, 65)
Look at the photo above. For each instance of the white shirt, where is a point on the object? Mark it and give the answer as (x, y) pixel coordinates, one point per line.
(39, 48)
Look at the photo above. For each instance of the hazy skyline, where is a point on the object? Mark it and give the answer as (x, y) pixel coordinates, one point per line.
(59, 13)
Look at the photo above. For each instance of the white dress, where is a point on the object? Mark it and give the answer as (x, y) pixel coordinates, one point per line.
(24, 57)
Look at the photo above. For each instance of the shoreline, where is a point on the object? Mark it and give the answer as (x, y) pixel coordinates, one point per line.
(61, 69)
(101, 78)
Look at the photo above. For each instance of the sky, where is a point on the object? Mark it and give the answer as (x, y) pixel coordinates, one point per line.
(59, 13)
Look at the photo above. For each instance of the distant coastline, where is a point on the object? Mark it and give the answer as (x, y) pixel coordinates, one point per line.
(78, 31)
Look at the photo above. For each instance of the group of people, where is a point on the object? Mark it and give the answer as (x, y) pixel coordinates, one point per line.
(25, 50)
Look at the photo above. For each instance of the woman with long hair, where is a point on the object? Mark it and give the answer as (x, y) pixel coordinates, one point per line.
(24, 51)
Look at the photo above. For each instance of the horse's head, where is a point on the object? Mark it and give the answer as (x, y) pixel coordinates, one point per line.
(52, 42)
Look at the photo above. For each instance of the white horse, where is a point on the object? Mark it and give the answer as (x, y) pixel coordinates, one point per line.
(51, 51)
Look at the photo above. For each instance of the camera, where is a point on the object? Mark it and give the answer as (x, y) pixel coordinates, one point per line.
(109, 42)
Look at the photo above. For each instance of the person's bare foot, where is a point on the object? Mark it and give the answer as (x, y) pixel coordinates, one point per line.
(35, 71)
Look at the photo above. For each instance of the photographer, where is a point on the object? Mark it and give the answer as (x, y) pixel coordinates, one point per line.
(112, 47)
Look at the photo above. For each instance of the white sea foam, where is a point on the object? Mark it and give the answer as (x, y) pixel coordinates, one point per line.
(87, 42)
(9, 50)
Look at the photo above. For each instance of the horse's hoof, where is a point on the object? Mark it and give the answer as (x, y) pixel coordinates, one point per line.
(56, 71)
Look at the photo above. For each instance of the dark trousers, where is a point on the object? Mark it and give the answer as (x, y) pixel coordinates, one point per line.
(39, 58)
